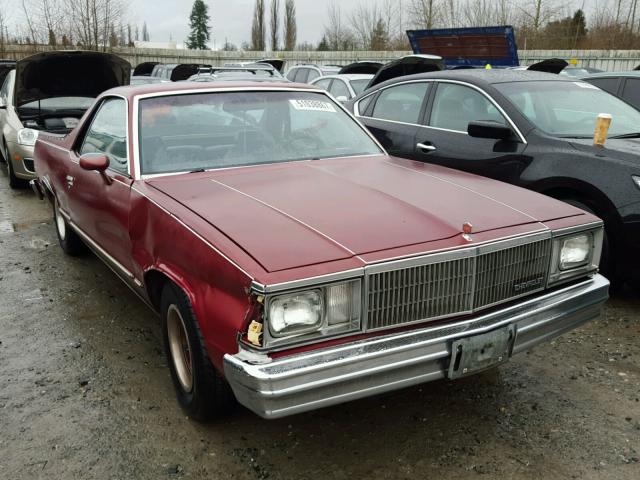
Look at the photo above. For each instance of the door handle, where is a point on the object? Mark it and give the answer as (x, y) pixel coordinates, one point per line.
(425, 148)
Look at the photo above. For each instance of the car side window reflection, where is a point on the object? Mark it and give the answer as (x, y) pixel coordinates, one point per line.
(401, 103)
(631, 92)
(454, 106)
(339, 89)
(108, 134)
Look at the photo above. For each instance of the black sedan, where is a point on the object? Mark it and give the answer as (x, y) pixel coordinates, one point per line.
(528, 128)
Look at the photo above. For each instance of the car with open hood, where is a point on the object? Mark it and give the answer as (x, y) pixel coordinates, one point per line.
(294, 264)
(50, 92)
(529, 128)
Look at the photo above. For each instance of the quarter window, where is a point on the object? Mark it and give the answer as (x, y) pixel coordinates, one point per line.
(301, 75)
(339, 89)
(324, 83)
(607, 84)
(455, 106)
(313, 74)
(401, 103)
(631, 92)
(291, 74)
(108, 134)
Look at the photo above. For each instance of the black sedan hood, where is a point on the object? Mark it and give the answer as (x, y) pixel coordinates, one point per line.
(624, 151)
(68, 74)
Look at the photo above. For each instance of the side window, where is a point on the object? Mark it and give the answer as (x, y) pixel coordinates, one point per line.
(363, 105)
(313, 74)
(401, 103)
(608, 84)
(4, 92)
(324, 83)
(291, 74)
(631, 92)
(339, 89)
(455, 106)
(301, 75)
(108, 134)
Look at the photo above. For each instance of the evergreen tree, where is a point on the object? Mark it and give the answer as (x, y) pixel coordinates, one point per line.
(199, 24)
(258, 27)
(323, 46)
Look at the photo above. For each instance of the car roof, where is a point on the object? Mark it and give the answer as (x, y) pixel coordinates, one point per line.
(133, 91)
(348, 76)
(633, 73)
(481, 76)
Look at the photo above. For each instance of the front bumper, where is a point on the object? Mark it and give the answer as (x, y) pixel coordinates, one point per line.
(21, 157)
(320, 378)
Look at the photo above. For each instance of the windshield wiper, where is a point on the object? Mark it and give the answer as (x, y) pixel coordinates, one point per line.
(627, 135)
(197, 170)
(575, 136)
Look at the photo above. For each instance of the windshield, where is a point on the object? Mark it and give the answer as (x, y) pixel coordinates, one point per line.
(188, 132)
(359, 85)
(569, 109)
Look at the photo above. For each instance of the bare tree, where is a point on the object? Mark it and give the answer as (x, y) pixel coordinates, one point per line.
(425, 12)
(258, 27)
(275, 25)
(290, 25)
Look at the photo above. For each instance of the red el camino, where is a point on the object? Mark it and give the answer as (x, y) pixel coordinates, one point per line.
(294, 264)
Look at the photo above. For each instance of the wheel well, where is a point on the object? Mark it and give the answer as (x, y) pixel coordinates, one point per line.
(594, 199)
(155, 282)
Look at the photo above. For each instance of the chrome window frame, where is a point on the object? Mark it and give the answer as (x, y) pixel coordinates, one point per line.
(137, 174)
(511, 123)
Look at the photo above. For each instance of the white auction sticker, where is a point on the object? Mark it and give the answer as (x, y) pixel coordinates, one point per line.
(315, 105)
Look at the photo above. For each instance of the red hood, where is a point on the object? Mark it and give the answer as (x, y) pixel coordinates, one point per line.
(303, 213)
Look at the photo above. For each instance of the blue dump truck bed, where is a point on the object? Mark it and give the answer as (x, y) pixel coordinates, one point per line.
(468, 47)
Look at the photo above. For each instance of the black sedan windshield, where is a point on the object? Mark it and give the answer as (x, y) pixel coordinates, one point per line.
(569, 109)
(212, 130)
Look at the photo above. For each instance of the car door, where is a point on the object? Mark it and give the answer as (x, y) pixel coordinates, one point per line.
(394, 115)
(443, 139)
(99, 205)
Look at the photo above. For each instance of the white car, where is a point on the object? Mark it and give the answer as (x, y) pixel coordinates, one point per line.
(344, 87)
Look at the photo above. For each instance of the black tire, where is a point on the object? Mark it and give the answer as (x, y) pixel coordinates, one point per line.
(607, 263)
(202, 392)
(69, 240)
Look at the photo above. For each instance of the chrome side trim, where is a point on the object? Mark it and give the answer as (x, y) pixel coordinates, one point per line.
(86, 238)
(307, 282)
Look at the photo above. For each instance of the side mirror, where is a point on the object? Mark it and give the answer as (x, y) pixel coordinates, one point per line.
(486, 129)
(98, 162)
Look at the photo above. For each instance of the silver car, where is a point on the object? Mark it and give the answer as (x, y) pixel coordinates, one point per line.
(49, 92)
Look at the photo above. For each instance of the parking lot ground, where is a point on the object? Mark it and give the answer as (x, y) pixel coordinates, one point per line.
(85, 393)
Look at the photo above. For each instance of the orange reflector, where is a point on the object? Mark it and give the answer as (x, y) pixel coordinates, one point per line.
(17, 157)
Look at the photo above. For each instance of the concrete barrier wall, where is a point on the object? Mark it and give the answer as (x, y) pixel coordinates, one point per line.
(609, 60)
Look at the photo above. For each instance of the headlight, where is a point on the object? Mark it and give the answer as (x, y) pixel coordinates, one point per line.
(27, 137)
(295, 313)
(575, 251)
(636, 180)
(575, 254)
(323, 311)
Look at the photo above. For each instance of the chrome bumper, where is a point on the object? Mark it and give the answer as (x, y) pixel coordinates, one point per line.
(320, 378)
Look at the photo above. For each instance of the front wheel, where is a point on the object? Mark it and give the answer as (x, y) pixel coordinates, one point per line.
(69, 240)
(201, 390)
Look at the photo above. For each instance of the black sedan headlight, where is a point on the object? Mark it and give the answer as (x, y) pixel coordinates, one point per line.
(303, 315)
(575, 253)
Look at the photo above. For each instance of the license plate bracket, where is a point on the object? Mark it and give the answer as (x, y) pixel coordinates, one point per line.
(470, 355)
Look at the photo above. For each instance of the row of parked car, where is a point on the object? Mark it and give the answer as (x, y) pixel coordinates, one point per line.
(304, 249)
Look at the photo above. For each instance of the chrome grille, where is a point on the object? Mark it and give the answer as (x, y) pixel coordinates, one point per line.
(456, 286)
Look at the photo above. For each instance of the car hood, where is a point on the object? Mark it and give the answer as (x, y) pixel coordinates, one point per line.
(303, 213)
(624, 151)
(68, 74)
(407, 65)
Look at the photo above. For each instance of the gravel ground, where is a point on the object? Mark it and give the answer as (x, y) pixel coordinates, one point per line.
(85, 393)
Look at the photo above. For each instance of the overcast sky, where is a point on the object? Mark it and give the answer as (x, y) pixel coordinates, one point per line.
(230, 19)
